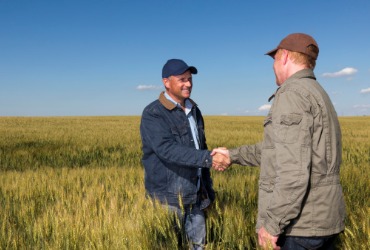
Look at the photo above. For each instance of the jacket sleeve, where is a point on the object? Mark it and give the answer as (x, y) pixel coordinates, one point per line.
(157, 136)
(246, 155)
(292, 123)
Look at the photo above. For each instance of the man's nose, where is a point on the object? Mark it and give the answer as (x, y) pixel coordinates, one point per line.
(188, 83)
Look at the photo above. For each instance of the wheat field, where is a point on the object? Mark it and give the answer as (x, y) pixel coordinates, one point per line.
(77, 183)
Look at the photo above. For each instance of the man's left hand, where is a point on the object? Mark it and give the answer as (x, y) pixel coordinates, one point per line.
(266, 240)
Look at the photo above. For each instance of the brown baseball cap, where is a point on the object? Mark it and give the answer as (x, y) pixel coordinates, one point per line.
(297, 42)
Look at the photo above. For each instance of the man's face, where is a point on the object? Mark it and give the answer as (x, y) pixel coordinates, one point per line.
(179, 87)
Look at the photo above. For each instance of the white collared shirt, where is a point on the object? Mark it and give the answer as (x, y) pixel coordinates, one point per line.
(193, 128)
(189, 115)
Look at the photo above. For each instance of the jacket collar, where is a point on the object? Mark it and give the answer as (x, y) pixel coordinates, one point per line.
(168, 104)
(304, 73)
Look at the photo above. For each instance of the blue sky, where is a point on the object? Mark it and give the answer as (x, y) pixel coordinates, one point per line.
(98, 58)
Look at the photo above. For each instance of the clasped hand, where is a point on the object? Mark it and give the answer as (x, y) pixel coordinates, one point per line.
(221, 159)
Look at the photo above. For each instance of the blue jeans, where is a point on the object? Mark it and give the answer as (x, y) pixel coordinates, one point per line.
(193, 223)
(304, 243)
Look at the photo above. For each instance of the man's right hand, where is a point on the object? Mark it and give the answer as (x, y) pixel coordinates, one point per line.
(221, 159)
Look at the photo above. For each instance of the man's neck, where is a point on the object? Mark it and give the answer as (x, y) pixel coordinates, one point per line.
(294, 68)
(171, 98)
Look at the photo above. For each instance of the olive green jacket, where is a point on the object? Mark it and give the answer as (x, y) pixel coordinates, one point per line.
(299, 189)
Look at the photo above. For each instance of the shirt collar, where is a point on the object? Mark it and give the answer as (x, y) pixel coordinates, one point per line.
(188, 103)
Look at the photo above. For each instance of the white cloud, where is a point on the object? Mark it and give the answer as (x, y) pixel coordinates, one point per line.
(365, 91)
(363, 106)
(148, 87)
(264, 107)
(343, 72)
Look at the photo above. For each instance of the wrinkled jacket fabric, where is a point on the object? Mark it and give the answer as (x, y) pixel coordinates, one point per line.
(170, 158)
(299, 189)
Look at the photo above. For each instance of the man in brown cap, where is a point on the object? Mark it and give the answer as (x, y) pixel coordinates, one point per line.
(300, 204)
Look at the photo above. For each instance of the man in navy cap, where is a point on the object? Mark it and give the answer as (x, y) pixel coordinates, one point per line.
(175, 156)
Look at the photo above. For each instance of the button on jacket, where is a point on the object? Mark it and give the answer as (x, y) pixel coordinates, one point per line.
(170, 158)
(299, 189)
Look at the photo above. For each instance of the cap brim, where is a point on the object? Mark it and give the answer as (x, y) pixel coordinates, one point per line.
(272, 52)
(193, 70)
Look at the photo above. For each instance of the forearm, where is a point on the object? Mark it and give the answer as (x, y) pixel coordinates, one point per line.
(246, 155)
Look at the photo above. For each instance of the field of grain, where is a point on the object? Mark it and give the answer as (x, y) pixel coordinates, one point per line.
(77, 183)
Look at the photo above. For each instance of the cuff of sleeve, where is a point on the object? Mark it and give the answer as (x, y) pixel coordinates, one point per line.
(233, 153)
(272, 228)
(207, 163)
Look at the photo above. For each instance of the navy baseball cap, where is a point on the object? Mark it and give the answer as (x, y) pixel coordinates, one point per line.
(175, 67)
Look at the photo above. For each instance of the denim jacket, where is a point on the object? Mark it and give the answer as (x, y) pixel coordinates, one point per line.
(170, 158)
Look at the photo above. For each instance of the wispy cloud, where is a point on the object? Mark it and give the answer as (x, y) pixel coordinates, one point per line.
(362, 106)
(340, 73)
(365, 91)
(148, 87)
(264, 107)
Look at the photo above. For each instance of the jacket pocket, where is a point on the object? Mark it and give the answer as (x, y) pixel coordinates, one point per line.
(267, 186)
(288, 130)
(181, 180)
(180, 133)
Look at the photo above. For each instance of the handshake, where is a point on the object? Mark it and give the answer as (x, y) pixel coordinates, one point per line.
(221, 159)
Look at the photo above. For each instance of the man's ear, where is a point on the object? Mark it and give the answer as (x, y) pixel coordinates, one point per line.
(284, 56)
(166, 82)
